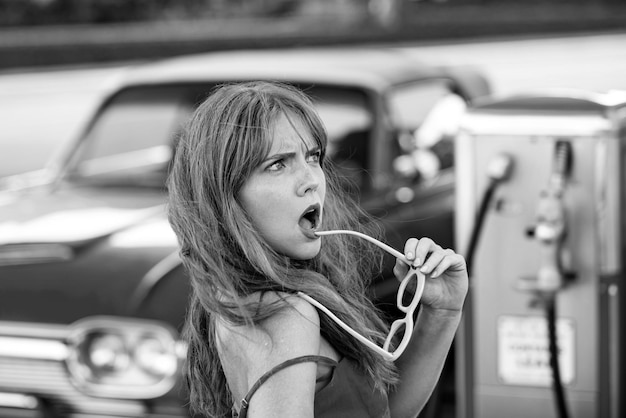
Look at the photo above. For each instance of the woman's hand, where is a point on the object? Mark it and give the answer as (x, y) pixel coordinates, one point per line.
(445, 270)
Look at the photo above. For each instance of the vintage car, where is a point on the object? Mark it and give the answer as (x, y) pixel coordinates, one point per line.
(93, 294)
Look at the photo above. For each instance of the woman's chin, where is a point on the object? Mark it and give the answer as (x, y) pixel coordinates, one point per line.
(304, 252)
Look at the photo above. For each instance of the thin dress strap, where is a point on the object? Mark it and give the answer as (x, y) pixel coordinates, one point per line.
(245, 402)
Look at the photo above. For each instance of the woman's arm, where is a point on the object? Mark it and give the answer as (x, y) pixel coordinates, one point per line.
(440, 313)
(421, 364)
(248, 352)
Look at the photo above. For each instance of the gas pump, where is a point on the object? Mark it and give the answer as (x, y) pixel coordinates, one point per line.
(542, 334)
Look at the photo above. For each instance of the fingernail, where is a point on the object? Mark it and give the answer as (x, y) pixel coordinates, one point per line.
(409, 256)
(418, 262)
(424, 269)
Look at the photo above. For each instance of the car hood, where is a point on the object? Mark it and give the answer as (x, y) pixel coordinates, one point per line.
(73, 227)
(73, 214)
(77, 252)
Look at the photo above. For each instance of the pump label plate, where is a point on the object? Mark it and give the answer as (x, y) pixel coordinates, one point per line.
(523, 356)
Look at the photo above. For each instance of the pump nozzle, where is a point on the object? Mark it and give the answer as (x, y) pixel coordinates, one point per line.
(500, 167)
(562, 165)
(498, 170)
(550, 227)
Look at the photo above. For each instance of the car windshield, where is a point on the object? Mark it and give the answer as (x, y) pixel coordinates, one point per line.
(130, 140)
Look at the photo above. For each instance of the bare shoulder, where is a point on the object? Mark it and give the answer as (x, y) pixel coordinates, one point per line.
(298, 323)
(299, 314)
(248, 351)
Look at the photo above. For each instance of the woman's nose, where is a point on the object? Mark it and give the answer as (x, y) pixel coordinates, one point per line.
(308, 180)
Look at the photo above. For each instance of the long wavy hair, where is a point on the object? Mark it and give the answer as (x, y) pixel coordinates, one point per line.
(227, 137)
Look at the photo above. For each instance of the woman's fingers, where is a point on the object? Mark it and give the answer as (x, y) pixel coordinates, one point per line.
(428, 256)
(440, 262)
(410, 248)
(426, 248)
(419, 250)
(400, 269)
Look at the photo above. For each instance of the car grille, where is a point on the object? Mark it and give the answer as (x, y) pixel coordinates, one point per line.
(48, 380)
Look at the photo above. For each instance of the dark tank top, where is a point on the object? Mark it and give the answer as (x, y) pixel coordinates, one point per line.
(350, 393)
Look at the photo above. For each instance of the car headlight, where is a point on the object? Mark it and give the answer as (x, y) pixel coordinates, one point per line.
(123, 358)
(154, 356)
(106, 353)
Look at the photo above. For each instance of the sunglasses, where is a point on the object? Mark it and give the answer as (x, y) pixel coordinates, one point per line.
(404, 325)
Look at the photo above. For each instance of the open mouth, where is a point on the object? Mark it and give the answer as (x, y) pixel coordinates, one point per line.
(310, 219)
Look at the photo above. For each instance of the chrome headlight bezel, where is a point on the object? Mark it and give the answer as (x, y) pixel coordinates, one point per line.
(111, 357)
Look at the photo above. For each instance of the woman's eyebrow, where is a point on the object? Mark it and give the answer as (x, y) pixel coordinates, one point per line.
(309, 150)
(279, 156)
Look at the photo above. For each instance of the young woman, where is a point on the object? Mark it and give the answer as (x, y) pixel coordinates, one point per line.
(250, 192)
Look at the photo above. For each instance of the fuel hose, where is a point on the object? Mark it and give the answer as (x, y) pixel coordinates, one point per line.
(557, 383)
(498, 170)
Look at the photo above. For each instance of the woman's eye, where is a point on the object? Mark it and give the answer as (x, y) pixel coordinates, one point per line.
(276, 165)
(315, 157)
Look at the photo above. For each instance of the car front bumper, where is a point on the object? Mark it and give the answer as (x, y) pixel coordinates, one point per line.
(35, 381)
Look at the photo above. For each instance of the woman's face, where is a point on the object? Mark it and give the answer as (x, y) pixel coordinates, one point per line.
(284, 196)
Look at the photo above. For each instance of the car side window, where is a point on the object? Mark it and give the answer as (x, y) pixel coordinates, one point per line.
(349, 121)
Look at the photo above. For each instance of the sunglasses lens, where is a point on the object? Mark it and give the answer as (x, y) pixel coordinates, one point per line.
(409, 294)
(396, 335)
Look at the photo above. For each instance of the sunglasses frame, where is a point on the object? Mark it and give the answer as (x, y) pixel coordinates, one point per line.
(407, 321)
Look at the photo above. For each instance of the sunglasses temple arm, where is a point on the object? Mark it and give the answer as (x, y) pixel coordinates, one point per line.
(347, 328)
(374, 241)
